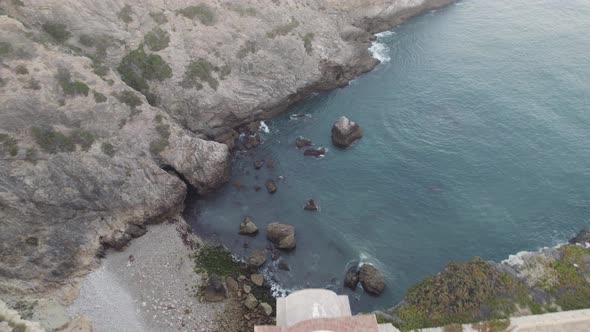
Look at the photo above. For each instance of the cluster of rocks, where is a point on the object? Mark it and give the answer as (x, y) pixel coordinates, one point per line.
(369, 276)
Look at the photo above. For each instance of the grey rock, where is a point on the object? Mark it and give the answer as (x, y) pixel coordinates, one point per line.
(310, 205)
(372, 279)
(247, 227)
(281, 235)
(257, 279)
(215, 290)
(266, 308)
(314, 152)
(345, 132)
(247, 289)
(232, 284)
(301, 142)
(257, 258)
(582, 237)
(251, 302)
(351, 279)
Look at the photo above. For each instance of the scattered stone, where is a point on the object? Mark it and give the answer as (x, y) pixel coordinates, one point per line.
(345, 132)
(241, 278)
(267, 308)
(247, 289)
(372, 279)
(301, 142)
(271, 187)
(257, 279)
(215, 290)
(248, 227)
(135, 231)
(310, 205)
(258, 164)
(131, 258)
(284, 266)
(582, 237)
(251, 302)
(314, 152)
(281, 235)
(232, 284)
(257, 188)
(351, 279)
(257, 258)
(270, 163)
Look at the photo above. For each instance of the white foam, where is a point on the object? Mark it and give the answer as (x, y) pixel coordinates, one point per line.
(264, 127)
(380, 51)
(385, 34)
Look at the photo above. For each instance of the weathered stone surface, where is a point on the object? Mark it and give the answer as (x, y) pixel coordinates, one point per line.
(257, 258)
(251, 302)
(232, 284)
(582, 237)
(301, 142)
(247, 227)
(257, 279)
(266, 308)
(351, 279)
(281, 235)
(271, 187)
(314, 152)
(345, 132)
(215, 290)
(310, 205)
(372, 279)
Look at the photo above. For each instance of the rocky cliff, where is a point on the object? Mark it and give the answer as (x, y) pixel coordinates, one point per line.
(110, 108)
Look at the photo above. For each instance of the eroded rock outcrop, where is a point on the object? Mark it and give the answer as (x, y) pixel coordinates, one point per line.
(345, 132)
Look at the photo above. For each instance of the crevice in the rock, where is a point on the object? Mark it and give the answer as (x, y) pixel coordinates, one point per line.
(172, 171)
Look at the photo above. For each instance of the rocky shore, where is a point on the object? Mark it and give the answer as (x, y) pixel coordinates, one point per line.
(111, 111)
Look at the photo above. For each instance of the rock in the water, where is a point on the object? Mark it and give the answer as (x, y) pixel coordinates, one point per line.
(257, 258)
(251, 302)
(301, 142)
(281, 235)
(252, 141)
(258, 164)
(310, 205)
(284, 266)
(271, 187)
(257, 279)
(267, 308)
(582, 237)
(215, 290)
(135, 231)
(232, 284)
(351, 279)
(252, 127)
(247, 227)
(315, 152)
(345, 132)
(270, 163)
(372, 279)
(257, 188)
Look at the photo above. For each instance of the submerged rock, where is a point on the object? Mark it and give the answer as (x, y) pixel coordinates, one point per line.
(284, 266)
(372, 279)
(281, 235)
(257, 259)
(252, 141)
(351, 279)
(270, 163)
(315, 152)
(301, 142)
(310, 205)
(345, 132)
(271, 187)
(215, 290)
(248, 227)
(582, 237)
(258, 164)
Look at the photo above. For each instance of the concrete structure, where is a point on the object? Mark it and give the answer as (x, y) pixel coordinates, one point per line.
(321, 310)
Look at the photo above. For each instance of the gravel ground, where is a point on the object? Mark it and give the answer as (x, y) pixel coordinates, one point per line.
(147, 287)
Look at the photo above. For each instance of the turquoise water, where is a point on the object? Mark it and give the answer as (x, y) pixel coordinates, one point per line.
(477, 142)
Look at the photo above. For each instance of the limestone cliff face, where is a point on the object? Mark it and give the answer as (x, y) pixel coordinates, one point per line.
(99, 98)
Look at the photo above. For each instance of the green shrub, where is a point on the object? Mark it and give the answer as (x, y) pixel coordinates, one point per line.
(52, 141)
(125, 14)
(69, 87)
(283, 30)
(99, 97)
(161, 143)
(108, 149)
(137, 68)
(58, 31)
(21, 70)
(87, 40)
(159, 17)
(5, 48)
(202, 70)
(129, 98)
(33, 84)
(31, 155)
(99, 69)
(157, 39)
(307, 39)
(82, 138)
(243, 11)
(9, 144)
(216, 260)
(18, 3)
(201, 12)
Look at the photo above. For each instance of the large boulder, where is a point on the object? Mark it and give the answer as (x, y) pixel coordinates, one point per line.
(372, 279)
(257, 258)
(351, 279)
(215, 290)
(582, 237)
(345, 132)
(281, 235)
(247, 227)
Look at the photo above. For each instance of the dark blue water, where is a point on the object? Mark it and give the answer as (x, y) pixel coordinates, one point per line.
(477, 142)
